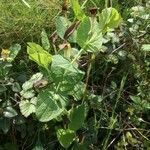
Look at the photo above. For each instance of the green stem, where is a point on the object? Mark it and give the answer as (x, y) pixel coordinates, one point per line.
(88, 76)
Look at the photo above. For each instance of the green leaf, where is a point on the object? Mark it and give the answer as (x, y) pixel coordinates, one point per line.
(4, 124)
(78, 12)
(49, 105)
(65, 137)
(89, 35)
(27, 94)
(45, 40)
(16, 87)
(38, 146)
(77, 117)
(83, 32)
(14, 50)
(61, 26)
(39, 55)
(136, 99)
(145, 47)
(65, 74)
(9, 112)
(27, 107)
(109, 18)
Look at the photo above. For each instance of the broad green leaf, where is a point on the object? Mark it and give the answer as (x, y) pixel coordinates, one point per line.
(61, 26)
(45, 40)
(61, 62)
(77, 117)
(14, 50)
(65, 74)
(27, 107)
(39, 55)
(9, 112)
(78, 12)
(109, 18)
(145, 47)
(83, 32)
(49, 105)
(65, 137)
(89, 35)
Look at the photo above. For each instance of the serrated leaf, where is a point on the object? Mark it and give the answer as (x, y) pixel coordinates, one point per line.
(27, 94)
(65, 137)
(77, 117)
(27, 107)
(39, 55)
(49, 105)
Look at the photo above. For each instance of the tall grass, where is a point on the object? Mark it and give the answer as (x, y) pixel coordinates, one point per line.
(20, 23)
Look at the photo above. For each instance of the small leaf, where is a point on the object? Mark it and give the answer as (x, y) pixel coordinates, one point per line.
(16, 87)
(39, 55)
(77, 117)
(27, 94)
(145, 47)
(65, 137)
(14, 50)
(45, 40)
(109, 18)
(9, 112)
(26, 107)
(38, 147)
(136, 99)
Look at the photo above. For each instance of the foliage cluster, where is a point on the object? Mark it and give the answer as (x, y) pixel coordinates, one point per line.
(86, 86)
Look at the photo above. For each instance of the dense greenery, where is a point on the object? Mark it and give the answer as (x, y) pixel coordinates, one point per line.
(75, 77)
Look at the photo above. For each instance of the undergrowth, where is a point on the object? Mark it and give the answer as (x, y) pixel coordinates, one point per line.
(82, 83)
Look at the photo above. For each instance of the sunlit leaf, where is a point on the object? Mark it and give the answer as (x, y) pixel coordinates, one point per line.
(78, 12)
(39, 55)
(65, 137)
